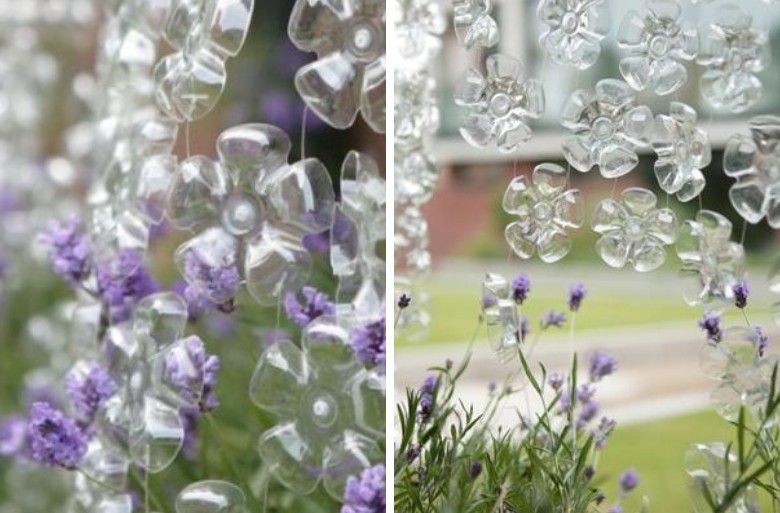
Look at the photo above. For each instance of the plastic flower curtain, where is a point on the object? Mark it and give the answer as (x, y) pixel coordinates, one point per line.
(248, 220)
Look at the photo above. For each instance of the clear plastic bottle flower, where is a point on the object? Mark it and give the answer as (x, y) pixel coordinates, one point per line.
(419, 26)
(683, 151)
(499, 104)
(733, 51)
(574, 30)
(190, 81)
(255, 208)
(356, 234)
(634, 230)
(329, 410)
(608, 127)
(545, 209)
(349, 75)
(416, 110)
(474, 26)
(755, 163)
(655, 41)
(499, 311)
(143, 413)
(415, 177)
(712, 467)
(711, 263)
(211, 497)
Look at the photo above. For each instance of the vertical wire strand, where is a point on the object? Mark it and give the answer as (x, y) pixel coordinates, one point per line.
(303, 131)
(187, 147)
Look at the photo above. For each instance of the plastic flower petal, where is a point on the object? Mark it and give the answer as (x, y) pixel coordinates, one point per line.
(211, 497)
(574, 30)
(712, 467)
(683, 151)
(733, 52)
(255, 208)
(329, 410)
(755, 163)
(655, 41)
(608, 127)
(474, 26)
(499, 310)
(419, 25)
(545, 209)
(349, 40)
(633, 230)
(711, 264)
(190, 81)
(499, 104)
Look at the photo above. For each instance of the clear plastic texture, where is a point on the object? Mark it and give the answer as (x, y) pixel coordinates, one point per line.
(545, 209)
(410, 239)
(107, 467)
(143, 413)
(712, 467)
(711, 263)
(634, 230)
(415, 177)
(419, 26)
(253, 209)
(733, 52)
(349, 75)
(683, 152)
(416, 110)
(755, 164)
(655, 41)
(474, 26)
(329, 410)
(608, 127)
(358, 230)
(500, 313)
(211, 497)
(500, 104)
(574, 30)
(189, 82)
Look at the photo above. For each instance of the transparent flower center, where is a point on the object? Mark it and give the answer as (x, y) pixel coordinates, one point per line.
(634, 228)
(364, 40)
(659, 46)
(241, 215)
(603, 128)
(543, 213)
(500, 104)
(769, 169)
(735, 60)
(570, 23)
(683, 151)
(323, 410)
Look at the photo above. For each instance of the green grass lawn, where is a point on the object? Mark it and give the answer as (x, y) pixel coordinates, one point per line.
(656, 450)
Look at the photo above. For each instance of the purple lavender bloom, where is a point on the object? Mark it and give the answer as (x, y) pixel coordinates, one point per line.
(476, 469)
(315, 303)
(194, 310)
(429, 384)
(601, 365)
(367, 494)
(88, 391)
(710, 323)
(13, 435)
(369, 343)
(565, 402)
(525, 327)
(556, 380)
(282, 109)
(521, 286)
(317, 242)
(587, 413)
(210, 287)
(189, 417)
(553, 318)
(585, 392)
(194, 374)
(760, 339)
(55, 439)
(628, 480)
(9, 201)
(3, 266)
(123, 282)
(404, 301)
(602, 432)
(68, 249)
(577, 293)
(426, 397)
(615, 508)
(741, 293)
(488, 301)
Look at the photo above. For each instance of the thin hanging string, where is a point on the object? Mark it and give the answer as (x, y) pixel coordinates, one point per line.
(187, 148)
(303, 131)
(667, 200)
(614, 188)
(568, 164)
(146, 486)
(744, 232)
(278, 313)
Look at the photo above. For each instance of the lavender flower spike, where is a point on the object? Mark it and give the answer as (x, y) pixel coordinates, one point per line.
(741, 293)
(369, 343)
(68, 249)
(577, 293)
(367, 494)
(628, 480)
(13, 435)
(315, 304)
(88, 389)
(760, 339)
(210, 287)
(710, 323)
(194, 373)
(123, 282)
(553, 318)
(55, 439)
(601, 365)
(521, 286)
